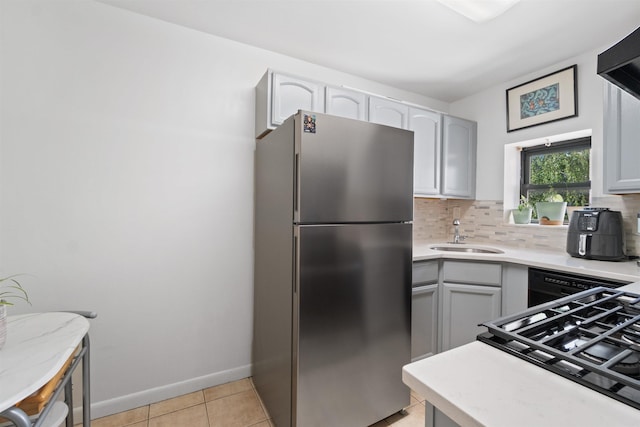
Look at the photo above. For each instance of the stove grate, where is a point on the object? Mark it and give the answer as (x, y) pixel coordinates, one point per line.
(592, 337)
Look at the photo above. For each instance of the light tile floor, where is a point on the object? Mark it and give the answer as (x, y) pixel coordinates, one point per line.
(235, 404)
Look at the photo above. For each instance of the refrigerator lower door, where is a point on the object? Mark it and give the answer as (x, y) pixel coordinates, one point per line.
(352, 334)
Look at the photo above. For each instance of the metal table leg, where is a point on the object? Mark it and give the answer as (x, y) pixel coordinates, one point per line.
(68, 397)
(86, 384)
(86, 378)
(17, 416)
(86, 390)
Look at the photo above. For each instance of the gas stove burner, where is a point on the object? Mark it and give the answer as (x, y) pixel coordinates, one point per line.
(615, 319)
(601, 352)
(631, 339)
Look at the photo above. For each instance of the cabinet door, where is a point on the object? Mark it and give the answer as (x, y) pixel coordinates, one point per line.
(463, 308)
(345, 103)
(436, 418)
(516, 290)
(458, 158)
(621, 141)
(426, 159)
(424, 321)
(290, 94)
(388, 112)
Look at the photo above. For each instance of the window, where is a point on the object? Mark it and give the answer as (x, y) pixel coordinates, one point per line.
(558, 168)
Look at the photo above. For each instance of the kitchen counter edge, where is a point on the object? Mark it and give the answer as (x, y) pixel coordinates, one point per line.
(478, 385)
(553, 260)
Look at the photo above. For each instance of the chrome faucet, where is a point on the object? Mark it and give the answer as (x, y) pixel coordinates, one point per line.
(457, 238)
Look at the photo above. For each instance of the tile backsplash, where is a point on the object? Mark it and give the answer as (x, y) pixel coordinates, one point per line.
(484, 221)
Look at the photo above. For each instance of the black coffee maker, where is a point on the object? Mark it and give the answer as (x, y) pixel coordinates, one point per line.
(596, 233)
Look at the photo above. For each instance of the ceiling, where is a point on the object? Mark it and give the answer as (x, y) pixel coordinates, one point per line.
(417, 45)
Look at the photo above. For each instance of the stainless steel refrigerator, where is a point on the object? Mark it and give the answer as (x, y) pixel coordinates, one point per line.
(333, 252)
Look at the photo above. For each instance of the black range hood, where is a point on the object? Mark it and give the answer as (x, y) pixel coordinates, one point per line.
(620, 64)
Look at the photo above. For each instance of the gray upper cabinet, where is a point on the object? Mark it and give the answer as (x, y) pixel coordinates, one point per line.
(444, 146)
(278, 96)
(621, 141)
(345, 103)
(291, 94)
(444, 155)
(427, 143)
(459, 143)
(388, 112)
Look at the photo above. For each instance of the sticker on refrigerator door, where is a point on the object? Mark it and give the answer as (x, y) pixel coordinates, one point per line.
(309, 123)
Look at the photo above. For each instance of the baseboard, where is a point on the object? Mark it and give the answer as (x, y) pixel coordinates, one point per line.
(157, 394)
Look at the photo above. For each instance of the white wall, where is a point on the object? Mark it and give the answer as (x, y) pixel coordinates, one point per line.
(488, 108)
(126, 169)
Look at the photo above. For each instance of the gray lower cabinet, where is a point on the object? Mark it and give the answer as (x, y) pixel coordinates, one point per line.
(470, 294)
(515, 288)
(463, 308)
(435, 418)
(450, 299)
(424, 321)
(621, 147)
(424, 310)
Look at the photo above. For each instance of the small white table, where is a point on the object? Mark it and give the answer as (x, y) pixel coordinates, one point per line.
(478, 385)
(37, 347)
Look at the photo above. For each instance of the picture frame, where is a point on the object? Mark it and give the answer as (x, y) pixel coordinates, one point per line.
(543, 100)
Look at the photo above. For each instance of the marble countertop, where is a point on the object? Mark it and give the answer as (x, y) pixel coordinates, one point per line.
(37, 347)
(553, 260)
(478, 385)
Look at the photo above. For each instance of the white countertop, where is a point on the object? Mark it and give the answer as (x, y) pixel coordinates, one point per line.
(553, 260)
(37, 347)
(478, 385)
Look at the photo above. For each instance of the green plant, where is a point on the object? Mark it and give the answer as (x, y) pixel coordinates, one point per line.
(11, 288)
(524, 203)
(552, 195)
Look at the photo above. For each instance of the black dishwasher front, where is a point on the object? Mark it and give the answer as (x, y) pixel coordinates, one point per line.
(547, 285)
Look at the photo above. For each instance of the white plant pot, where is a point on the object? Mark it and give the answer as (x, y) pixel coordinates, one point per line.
(521, 216)
(551, 213)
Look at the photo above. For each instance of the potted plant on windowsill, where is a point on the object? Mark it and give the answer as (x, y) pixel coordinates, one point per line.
(10, 288)
(551, 211)
(522, 214)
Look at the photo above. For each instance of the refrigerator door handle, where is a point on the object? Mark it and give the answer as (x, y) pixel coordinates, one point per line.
(296, 181)
(296, 260)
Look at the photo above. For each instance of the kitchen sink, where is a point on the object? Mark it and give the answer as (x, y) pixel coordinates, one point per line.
(468, 249)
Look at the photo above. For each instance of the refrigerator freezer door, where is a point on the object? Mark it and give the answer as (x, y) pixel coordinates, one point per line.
(353, 331)
(352, 171)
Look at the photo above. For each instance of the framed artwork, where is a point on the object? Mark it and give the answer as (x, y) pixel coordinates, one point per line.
(543, 100)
